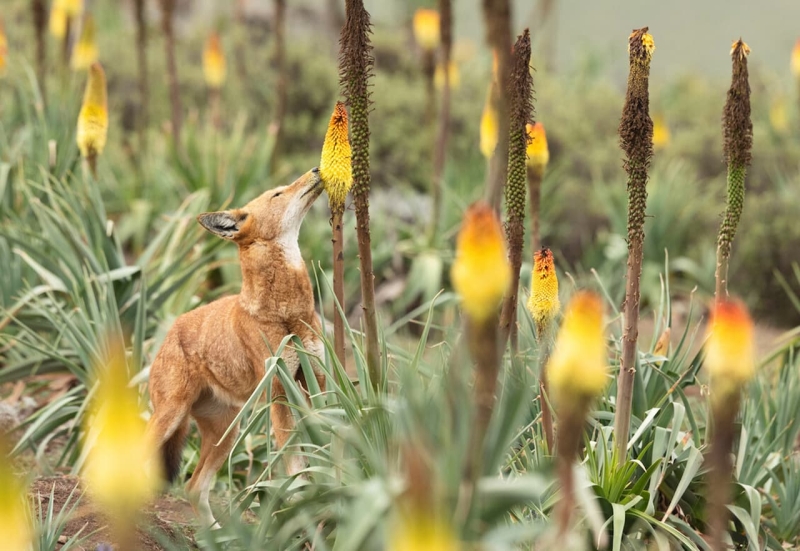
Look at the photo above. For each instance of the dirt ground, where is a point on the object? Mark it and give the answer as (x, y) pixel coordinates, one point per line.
(168, 516)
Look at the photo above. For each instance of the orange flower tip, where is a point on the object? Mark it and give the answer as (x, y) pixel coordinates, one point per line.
(335, 168)
(578, 367)
(543, 303)
(740, 48)
(537, 150)
(480, 273)
(122, 469)
(730, 351)
(426, 28)
(214, 66)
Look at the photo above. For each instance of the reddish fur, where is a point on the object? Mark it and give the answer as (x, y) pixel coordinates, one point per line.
(213, 357)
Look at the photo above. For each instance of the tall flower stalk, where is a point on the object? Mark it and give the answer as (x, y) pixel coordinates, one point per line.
(93, 117)
(481, 275)
(167, 25)
(544, 306)
(729, 360)
(282, 88)
(39, 24)
(440, 150)
(521, 112)
(497, 18)
(337, 176)
(355, 70)
(538, 157)
(578, 373)
(738, 141)
(636, 140)
(141, 64)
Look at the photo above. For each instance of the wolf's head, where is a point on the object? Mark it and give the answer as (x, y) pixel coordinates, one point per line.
(274, 216)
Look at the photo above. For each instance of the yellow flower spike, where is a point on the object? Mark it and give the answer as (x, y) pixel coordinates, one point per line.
(72, 8)
(3, 49)
(58, 21)
(778, 116)
(85, 52)
(455, 76)
(93, 118)
(538, 153)
(543, 304)
(730, 353)
(481, 273)
(796, 59)
(335, 170)
(661, 133)
(15, 520)
(649, 43)
(426, 28)
(489, 128)
(214, 67)
(578, 368)
(122, 469)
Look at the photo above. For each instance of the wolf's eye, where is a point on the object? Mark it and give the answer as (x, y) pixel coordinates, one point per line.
(277, 194)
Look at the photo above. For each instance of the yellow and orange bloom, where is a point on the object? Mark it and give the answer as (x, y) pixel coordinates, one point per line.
(58, 22)
(578, 368)
(796, 59)
(481, 273)
(426, 28)
(661, 133)
(93, 118)
(3, 49)
(122, 469)
(538, 153)
(335, 167)
(214, 67)
(730, 352)
(15, 519)
(453, 72)
(85, 52)
(543, 304)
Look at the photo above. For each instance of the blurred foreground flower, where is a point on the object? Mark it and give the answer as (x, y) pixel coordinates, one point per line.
(122, 470)
(730, 356)
(481, 273)
(93, 118)
(335, 169)
(426, 28)
(661, 133)
(85, 52)
(214, 67)
(453, 72)
(421, 532)
(489, 126)
(579, 365)
(15, 519)
(730, 362)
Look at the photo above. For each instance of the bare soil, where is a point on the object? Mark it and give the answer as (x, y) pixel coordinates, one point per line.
(169, 516)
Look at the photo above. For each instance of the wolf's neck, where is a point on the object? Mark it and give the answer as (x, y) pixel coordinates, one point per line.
(270, 274)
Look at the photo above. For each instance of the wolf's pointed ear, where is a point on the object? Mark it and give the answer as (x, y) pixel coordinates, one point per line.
(225, 224)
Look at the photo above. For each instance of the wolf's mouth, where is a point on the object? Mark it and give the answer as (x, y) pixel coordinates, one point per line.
(315, 187)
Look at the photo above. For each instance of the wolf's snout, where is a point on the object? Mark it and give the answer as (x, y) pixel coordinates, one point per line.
(315, 170)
